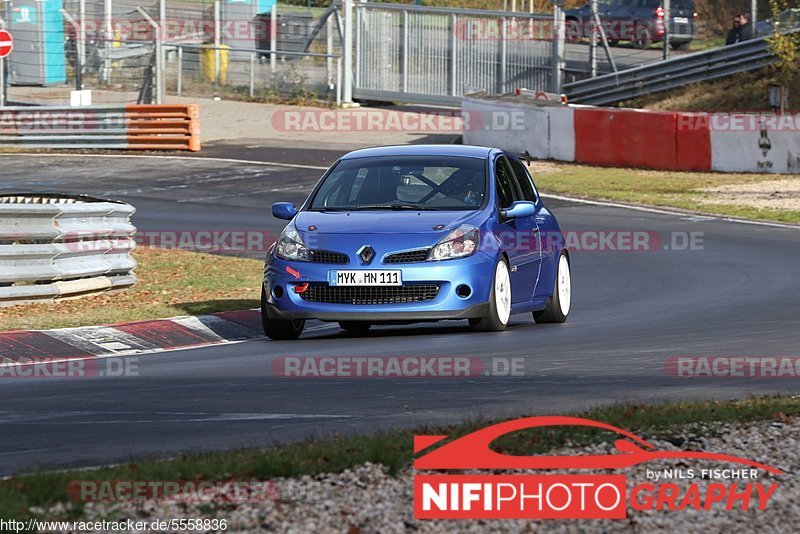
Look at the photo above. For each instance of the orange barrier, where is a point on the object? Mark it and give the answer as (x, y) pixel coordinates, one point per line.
(163, 126)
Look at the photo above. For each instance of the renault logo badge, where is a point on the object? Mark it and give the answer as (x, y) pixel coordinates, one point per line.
(366, 253)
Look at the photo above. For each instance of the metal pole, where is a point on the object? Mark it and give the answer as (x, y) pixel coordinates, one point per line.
(273, 37)
(159, 75)
(599, 28)
(338, 81)
(453, 55)
(405, 50)
(82, 32)
(2, 82)
(78, 63)
(252, 74)
(753, 15)
(180, 70)
(503, 54)
(217, 40)
(558, 47)
(329, 48)
(667, 19)
(347, 95)
(108, 32)
(593, 41)
(162, 16)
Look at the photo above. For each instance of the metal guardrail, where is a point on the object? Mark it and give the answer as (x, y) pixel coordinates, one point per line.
(677, 72)
(54, 247)
(130, 127)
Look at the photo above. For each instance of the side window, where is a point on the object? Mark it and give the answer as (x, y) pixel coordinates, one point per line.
(507, 192)
(524, 180)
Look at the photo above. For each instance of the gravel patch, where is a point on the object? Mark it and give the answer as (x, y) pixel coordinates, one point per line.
(368, 499)
(776, 194)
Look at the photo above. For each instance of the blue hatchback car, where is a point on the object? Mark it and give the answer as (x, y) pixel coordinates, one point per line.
(404, 234)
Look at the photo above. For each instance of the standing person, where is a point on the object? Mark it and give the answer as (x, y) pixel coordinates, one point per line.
(735, 33)
(746, 31)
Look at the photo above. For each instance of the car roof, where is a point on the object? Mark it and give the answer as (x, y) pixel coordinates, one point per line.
(422, 150)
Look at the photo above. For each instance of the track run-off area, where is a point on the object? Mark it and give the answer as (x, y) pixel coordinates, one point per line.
(733, 293)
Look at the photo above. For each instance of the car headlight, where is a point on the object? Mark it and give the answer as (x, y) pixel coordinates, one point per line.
(460, 243)
(290, 245)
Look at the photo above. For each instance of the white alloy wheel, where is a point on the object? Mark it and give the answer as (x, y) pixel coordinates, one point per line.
(502, 292)
(558, 305)
(564, 285)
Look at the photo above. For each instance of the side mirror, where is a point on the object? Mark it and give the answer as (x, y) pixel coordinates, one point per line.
(522, 208)
(284, 210)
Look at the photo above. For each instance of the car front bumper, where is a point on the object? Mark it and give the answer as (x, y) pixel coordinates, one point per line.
(475, 271)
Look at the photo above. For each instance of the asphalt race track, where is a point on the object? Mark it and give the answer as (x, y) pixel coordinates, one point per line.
(631, 311)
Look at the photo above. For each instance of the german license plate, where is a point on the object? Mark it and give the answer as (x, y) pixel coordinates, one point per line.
(366, 278)
(680, 20)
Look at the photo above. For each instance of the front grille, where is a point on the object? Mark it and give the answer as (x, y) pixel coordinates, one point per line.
(410, 256)
(328, 256)
(322, 292)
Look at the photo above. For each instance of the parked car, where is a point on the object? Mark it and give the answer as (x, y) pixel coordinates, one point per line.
(785, 20)
(417, 233)
(639, 21)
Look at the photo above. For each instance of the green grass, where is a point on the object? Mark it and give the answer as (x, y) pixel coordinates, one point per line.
(393, 449)
(707, 43)
(656, 188)
(171, 282)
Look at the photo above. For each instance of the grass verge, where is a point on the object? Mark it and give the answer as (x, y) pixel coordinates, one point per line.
(740, 92)
(171, 282)
(683, 190)
(392, 449)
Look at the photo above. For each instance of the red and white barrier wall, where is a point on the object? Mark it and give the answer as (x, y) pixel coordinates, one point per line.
(679, 141)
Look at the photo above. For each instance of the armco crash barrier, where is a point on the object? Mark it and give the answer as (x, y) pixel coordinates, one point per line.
(55, 247)
(129, 127)
(679, 141)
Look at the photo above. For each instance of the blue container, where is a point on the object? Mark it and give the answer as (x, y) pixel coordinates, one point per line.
(38, 57)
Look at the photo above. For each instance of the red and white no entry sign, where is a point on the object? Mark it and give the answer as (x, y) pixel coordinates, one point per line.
(6, 43)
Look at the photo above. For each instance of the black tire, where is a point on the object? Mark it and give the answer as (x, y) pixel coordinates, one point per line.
(643, 37)
(492, 322)
(681, 46)
(553, 313)
(356, 327)
(279, 329)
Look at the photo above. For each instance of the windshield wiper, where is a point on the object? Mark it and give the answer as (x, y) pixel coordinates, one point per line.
(397, 206)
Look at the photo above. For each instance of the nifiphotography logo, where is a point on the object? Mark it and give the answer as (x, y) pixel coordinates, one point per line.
(570, 496)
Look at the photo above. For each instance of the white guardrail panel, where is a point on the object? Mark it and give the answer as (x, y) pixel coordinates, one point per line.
(55, 247)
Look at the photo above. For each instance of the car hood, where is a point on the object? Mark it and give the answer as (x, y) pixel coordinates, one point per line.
(383, 222)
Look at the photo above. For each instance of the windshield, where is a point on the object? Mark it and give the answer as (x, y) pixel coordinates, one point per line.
(409, 182)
